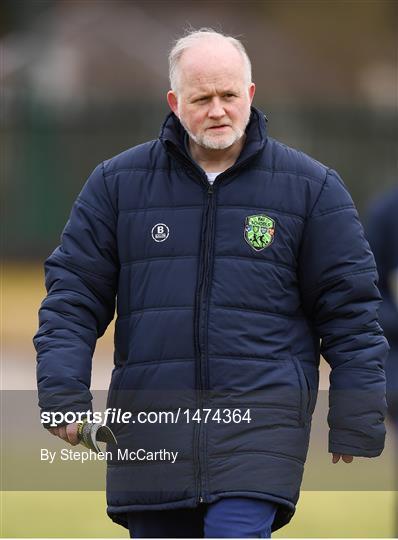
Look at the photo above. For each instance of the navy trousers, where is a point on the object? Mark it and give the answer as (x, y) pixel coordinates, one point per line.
(235, 517)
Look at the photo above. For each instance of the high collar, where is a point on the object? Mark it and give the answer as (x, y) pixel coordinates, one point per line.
(173, 134)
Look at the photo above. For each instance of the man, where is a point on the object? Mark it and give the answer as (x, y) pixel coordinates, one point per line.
(382, 232)
(232, 256)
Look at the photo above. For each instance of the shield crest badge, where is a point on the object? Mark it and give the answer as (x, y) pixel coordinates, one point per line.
(259, 231)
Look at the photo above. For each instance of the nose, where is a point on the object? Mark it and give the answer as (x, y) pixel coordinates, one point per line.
(216, 109)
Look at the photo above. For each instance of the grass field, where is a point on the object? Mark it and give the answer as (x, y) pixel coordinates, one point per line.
(82, 514)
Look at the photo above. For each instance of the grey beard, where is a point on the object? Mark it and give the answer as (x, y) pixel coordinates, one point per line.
(211, 143)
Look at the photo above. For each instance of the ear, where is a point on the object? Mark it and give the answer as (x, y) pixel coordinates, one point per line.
(172, 101)
(252, 91)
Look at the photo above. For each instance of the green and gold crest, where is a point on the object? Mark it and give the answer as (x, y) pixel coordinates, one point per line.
(259, 231)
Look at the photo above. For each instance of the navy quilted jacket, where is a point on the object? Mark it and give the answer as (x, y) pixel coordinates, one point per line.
(226, 296)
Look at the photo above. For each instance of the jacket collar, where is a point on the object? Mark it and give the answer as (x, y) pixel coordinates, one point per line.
(172, 134)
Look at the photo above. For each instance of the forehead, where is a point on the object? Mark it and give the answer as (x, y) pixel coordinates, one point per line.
(211, 64)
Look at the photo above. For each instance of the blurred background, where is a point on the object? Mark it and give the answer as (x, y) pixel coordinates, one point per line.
(83, 80)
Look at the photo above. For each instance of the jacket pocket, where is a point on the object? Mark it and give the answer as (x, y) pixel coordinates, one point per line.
(305, 392)
(116, 379)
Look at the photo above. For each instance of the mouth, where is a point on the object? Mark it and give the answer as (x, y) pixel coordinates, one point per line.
(219, 128)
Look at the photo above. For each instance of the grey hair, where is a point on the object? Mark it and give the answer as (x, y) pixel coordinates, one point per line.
(194, 36)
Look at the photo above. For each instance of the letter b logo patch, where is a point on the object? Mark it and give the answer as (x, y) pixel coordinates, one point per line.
(160, 232)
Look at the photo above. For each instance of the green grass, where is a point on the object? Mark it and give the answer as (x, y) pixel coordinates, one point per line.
(56, 514)
(82, 515)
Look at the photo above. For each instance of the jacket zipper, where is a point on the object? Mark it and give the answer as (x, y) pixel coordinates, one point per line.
(199, 297)
(201, 323)
(202, 299)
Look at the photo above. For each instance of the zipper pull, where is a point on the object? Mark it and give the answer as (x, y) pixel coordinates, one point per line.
(210, 189)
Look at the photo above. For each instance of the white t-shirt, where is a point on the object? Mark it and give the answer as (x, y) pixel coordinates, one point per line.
(212, 176)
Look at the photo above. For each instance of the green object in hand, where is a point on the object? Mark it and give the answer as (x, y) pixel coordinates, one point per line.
(90, 434)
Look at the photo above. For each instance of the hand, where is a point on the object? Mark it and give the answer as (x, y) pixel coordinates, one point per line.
(67, 433)
(346, 459)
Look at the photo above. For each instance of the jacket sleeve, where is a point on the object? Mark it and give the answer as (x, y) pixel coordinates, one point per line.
(81, 281)
(338, 281)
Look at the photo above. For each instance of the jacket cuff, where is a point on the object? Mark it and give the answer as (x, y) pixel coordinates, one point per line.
(336, 447)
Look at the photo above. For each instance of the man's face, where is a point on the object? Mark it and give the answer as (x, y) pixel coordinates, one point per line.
(213, 99)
